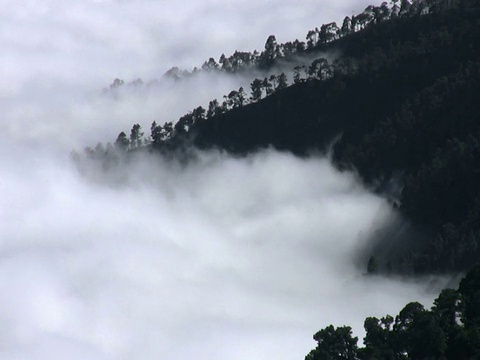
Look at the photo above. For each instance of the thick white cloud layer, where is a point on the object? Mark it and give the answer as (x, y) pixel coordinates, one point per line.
(221, 259)
(225, 258)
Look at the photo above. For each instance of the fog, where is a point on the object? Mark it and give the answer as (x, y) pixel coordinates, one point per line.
(223, 258)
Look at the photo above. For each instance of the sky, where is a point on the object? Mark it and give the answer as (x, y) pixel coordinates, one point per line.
(224, 258)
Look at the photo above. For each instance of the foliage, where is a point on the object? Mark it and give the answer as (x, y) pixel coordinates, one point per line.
(449, 330)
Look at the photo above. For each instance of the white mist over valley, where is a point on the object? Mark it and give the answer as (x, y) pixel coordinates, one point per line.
(221, 258)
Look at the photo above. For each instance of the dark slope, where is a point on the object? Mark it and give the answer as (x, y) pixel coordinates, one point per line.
(409, 112)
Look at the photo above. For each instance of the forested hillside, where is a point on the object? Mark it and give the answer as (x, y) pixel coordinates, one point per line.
(394, 89)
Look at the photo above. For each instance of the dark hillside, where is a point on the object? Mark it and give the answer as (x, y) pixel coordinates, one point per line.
(409, 111)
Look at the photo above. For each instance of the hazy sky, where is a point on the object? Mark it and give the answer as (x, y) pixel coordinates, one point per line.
(221, 259)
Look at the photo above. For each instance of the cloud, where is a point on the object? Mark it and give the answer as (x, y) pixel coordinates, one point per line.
(224, 258)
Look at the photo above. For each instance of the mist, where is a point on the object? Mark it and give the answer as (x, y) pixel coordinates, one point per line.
(231, 258)
(224, 258)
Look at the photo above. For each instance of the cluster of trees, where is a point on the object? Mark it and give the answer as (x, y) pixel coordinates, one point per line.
(320, 69)
(235, 99)
(315, 38)
(449, 330)
(323, 35)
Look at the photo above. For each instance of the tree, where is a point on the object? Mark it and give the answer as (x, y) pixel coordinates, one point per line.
(469, 290)
(167, 130)
(241, 96)
(418, 333)
(267, 86)
(365, 18)
(312, 38)
(136, 136)
(333, 344)
(122, 142)
(298, 72)
(447, 309)
(184, 124)
(229, 99)
(270, 53)
(353, 23)
(155, 133)
(213, 108)
(210, 65)
(328, 32)
(176, 74)
(404, 7)
(320, 69)
(241, 59)
(256, 87)
(282, 81)
(116, 83)
(273, 80)
(346, 26)
(299, 45)
(198, 114)
(225, 62)
(377, 339)
(385, 11)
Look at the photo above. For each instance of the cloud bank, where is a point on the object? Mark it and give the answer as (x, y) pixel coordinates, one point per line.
(224, 258)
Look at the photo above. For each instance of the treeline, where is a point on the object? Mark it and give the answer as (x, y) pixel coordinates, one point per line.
(289, 51)
(449, 330)
(319, 69)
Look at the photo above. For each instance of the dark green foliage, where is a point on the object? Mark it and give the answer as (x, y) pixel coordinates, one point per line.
(378, 339)
(450, 330)
(470, 298)
(256, 87)
(270, 53)
(333, 344)
(404, 97)
(417, 333)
